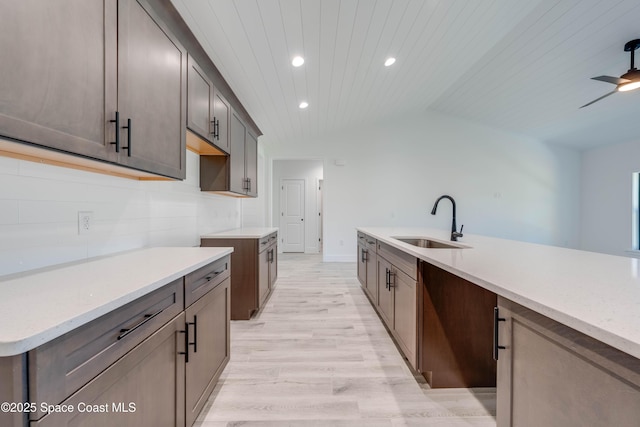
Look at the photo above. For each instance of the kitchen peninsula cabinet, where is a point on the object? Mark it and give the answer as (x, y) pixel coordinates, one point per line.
(552, 375)
(105, 81)
(368, 266)
(397, 302)
(138, 352)
(457, 334)
(254, 266)
(236, 174)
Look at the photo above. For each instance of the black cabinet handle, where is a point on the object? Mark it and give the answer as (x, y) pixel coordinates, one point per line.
(195, 334)
(128, 128)
(496, 345)
(391, 273)
(386, 285)
(217, 126)
(215, 274)
(117, 122)
(147, 317)
(186, 342)
(362, 255)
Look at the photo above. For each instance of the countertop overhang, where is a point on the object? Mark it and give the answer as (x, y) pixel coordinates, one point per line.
(593, 293)
(40, 306)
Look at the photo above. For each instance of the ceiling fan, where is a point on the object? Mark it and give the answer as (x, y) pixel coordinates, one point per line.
(628, 81)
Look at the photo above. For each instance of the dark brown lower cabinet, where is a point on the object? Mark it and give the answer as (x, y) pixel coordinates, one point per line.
(397, 297)
(208, 320)
(457, 331)
(143, 388)
(152, 362)
(254, 271)
(552, 375)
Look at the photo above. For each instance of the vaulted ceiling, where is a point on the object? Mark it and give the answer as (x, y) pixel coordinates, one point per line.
(520, 65)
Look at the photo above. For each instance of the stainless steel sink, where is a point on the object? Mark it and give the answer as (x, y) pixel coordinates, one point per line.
(428, 243)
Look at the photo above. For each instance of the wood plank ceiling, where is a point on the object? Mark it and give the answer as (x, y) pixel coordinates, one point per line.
(520, 65)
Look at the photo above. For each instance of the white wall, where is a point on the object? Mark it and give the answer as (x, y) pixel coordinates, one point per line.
(505, 185)
(607, 197)
(311, 171)
(39, 207)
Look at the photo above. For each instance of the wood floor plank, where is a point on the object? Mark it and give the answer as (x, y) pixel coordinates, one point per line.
(317, 355)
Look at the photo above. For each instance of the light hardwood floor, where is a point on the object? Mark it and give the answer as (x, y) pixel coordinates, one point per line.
(318, 355)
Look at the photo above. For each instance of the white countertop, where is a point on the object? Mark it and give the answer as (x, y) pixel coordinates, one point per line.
(36, 308)
(596, 294)
(242, 233)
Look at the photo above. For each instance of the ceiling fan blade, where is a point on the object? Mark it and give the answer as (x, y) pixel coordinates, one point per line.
(610, 79)
(596, 100)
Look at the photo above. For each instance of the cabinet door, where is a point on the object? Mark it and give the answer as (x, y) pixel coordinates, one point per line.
(237, 177)
(59, 74)
(199, 105)
(221, 114)
(406, 320)
(372, 276)
(145, 388)
(552, 375)
(273, 267)
(151, 92)
(251, 166)
(362, 266)
(385, 295)
(209, 320)
(263, 277)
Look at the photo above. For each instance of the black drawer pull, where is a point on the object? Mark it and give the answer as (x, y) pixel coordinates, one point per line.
(117, 122)
(496, 345)
(147, 317)
(215, 274)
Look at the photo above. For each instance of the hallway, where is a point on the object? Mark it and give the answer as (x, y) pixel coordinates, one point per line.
(318, 355)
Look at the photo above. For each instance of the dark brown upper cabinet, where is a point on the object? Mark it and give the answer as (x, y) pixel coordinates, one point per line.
(70, 69)
(207, 110)
(237, 173)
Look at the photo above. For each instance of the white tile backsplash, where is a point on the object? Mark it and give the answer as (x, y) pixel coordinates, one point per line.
(39, 206)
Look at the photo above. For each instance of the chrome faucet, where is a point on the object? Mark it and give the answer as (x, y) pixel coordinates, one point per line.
(454, 233)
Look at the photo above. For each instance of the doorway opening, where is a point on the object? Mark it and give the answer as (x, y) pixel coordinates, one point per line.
(297, 205)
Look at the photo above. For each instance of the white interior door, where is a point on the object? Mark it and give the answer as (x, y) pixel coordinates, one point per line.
(292, 215)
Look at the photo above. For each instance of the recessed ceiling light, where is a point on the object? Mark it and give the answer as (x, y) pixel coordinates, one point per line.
(304, 104)
(297, 61)
(389, 61)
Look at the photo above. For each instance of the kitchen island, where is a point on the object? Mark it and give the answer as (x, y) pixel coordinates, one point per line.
(567, 323)
(254, 266)
(115, 339)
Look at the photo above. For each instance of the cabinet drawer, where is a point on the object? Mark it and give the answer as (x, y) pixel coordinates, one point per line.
(371, 244)
(400, 259)
(204, 279)
(362, 238)
(264, 243)
(142, 389)
(273, 238)
(59, 368)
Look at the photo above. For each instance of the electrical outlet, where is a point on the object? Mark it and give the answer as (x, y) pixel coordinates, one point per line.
(84, 222)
